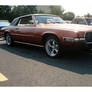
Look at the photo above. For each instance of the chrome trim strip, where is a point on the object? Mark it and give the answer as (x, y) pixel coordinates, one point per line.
(29, 44)
(20, 35)
(88, 42)
(73, 39)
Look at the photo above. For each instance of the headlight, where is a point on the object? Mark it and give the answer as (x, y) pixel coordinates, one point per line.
(69, 39)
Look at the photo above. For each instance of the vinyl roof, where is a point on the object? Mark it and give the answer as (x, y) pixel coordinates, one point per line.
(36, 14)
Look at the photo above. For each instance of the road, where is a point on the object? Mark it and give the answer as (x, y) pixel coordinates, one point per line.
(23, 65)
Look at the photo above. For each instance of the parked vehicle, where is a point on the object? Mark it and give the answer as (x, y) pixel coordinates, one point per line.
(68, 21)
(3, 23)
(48, 31)
(82, 20)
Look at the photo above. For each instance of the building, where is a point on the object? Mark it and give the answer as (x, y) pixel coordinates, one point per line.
(43, 8)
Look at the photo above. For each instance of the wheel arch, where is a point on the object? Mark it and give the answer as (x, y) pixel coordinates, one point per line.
(6, 32)
(45, 35)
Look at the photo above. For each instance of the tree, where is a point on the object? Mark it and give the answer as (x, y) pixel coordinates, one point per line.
(57, 10)
(22, 10)
(10, 12)
(42, 12)
(88, 15)
(5, 12)
(68, 15)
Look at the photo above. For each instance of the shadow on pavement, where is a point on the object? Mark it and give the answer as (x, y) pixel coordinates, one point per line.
(80, 63)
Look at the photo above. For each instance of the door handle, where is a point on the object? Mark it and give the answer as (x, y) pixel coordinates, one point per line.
(17, 28)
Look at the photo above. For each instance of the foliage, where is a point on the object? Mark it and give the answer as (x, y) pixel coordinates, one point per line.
(68, 15)
(22, 10)
(10, 12)
(41, 12)
(88, 15)
(57, 10)
(5, 12)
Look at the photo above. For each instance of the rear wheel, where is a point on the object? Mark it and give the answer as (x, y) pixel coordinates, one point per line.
(52, 46)
(9, 40)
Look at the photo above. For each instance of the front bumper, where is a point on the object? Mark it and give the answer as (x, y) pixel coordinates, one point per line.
(1, 33)
(2, 39)
(76, 44)
(69, 39)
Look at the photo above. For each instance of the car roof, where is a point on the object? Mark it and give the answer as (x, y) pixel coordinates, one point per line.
(36, 14)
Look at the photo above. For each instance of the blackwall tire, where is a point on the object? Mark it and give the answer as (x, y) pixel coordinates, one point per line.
(53, 47)
(9, 40)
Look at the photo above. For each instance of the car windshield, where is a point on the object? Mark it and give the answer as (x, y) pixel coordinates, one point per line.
(4, 23)
(47, 19)
(89, 21)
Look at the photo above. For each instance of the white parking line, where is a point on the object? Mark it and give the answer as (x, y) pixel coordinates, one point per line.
(3, 78)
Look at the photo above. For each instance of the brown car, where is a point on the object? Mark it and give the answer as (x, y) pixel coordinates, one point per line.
(49, 31)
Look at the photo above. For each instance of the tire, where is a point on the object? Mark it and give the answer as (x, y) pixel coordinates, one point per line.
(9, 40)
(52, 46)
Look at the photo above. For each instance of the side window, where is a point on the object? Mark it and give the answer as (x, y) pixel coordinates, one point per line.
(26, 21)
(15, 22)
(81, 21)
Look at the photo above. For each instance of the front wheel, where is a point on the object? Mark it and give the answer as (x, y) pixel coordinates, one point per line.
(52, 46)
(9, 40)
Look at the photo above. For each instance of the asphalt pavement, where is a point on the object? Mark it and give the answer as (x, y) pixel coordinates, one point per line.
(23, 65)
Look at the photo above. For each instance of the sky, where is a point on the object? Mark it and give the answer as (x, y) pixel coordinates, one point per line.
(79, 7)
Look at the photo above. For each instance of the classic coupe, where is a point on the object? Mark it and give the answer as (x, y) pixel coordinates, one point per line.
(48, 31)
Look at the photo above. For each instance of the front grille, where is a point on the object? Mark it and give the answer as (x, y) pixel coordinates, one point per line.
(88, 36)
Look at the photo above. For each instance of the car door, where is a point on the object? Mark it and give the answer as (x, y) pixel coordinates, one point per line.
(13, 29)
(25, 30)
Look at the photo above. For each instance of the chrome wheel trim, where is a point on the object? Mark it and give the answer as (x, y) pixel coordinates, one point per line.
(8, 40)
(52, 47)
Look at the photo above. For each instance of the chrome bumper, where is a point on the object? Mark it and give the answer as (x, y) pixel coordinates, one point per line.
(69, 39)
(2, 39)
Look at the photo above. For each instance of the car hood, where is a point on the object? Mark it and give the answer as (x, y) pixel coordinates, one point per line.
(2, 26)
(69, 27)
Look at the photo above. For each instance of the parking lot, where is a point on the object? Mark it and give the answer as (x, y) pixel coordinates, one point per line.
(24, 65)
